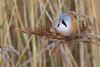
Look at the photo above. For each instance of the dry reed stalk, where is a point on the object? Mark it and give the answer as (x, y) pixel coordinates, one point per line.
(34, 13)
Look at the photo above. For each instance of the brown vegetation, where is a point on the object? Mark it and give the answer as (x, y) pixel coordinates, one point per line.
(41, 47)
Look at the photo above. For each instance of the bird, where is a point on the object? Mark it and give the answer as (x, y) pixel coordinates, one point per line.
(66, 25)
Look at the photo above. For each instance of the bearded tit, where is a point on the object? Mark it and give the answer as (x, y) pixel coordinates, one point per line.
(66, 25)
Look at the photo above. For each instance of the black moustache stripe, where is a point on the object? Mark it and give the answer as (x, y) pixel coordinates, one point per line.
(58, 25)
(64, 23)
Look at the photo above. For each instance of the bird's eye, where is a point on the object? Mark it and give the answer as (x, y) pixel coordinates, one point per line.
(63, 22)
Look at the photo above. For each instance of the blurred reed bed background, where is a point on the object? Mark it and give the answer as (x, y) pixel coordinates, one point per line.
(32, 14)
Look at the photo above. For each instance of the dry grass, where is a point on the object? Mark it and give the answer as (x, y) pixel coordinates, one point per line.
(30, 15)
